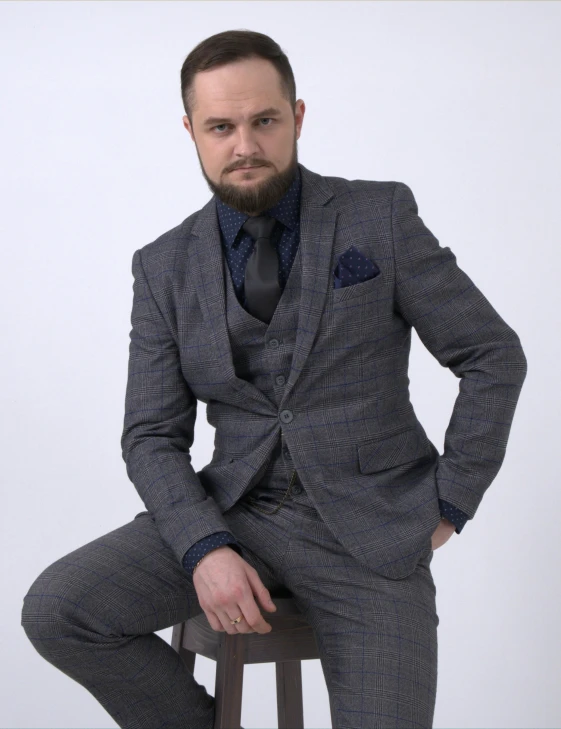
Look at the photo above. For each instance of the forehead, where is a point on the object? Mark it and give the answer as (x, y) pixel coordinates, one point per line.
(238, 91)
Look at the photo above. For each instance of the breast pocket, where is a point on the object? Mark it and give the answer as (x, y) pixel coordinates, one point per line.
(359, 289)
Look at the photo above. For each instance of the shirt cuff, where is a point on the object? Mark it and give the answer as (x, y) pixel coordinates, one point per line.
(455, 515)
(207, 544)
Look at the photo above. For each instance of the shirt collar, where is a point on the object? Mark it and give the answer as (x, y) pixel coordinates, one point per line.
(287, 210)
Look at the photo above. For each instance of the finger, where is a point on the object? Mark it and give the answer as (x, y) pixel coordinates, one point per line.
(213, 620)
(260, 591)
(242, 626)
(252, 615)
(227, 621)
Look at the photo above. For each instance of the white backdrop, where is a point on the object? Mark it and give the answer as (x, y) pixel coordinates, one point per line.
(459, 100)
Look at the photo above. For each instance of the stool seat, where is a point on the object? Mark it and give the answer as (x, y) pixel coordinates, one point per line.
(290, 641)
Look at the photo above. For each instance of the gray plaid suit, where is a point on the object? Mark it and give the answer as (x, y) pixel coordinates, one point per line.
(354, 546)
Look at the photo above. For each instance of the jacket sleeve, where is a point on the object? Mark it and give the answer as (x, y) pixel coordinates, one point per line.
(462, 330)
(159, 424)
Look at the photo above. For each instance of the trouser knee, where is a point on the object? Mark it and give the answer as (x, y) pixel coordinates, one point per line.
(46, 614)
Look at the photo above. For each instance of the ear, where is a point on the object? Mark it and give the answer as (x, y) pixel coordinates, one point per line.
(187, 126)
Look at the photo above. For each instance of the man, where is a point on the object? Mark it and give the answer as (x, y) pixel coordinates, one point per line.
(286, 305)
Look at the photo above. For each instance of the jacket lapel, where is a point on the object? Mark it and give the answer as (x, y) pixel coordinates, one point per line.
(317, 230)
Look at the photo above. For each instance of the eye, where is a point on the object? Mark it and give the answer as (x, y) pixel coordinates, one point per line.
(261, 119)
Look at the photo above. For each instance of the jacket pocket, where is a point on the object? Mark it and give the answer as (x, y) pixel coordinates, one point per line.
(357, 289)
(408, 445)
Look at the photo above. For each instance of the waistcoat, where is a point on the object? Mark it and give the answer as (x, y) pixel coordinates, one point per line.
(262, 354)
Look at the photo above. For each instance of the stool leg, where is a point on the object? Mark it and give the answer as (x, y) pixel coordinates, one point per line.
(187, 656)
(289, 695)
(229, 682)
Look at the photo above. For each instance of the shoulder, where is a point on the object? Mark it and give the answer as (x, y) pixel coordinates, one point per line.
(357, 197)
(360, 192)
(168, 244)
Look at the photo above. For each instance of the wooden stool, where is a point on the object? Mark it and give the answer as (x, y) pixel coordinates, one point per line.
(290, 641)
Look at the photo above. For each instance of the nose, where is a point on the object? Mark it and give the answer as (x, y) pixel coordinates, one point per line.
(246, 148)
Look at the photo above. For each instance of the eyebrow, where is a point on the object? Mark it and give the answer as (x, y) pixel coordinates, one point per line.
(271, 111)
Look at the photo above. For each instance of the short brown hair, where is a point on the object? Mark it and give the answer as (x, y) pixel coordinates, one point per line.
(228, 47)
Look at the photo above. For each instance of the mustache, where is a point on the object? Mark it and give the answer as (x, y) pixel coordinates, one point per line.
(248, 164)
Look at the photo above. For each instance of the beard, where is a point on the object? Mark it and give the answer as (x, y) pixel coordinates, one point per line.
(258, 195)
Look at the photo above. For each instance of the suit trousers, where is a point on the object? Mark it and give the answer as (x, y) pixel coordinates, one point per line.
(94, 612)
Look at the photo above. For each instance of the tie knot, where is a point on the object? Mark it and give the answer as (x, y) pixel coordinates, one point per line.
(260, 226)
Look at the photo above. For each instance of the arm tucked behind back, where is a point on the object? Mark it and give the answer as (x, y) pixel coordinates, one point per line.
(463, 331)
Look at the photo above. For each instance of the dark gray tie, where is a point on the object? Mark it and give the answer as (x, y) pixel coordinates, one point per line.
(261, 281)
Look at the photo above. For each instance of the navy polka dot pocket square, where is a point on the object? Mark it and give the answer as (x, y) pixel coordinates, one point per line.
(353, 267)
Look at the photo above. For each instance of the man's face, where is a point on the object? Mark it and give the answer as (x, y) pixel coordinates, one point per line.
(234, 94)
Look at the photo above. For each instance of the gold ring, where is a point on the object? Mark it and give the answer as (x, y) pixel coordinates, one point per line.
(237, 620)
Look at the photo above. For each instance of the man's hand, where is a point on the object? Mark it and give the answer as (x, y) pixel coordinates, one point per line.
(442, 533)
(226, 585)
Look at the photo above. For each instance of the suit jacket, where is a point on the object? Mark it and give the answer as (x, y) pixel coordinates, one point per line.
(383, 503)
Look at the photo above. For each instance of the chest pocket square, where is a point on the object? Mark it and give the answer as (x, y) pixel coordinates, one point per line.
(353, 267)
